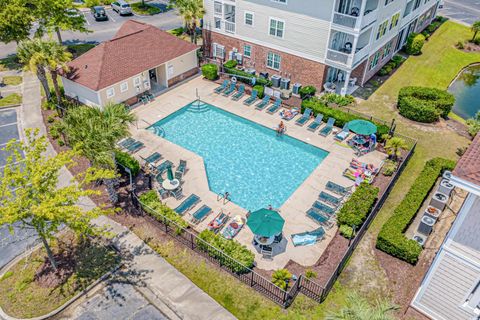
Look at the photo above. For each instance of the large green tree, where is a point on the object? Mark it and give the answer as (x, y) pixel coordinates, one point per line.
(57, 58)
(16, 20)
(95, 131)
(30, 196)
(359, 308)
(191, 11)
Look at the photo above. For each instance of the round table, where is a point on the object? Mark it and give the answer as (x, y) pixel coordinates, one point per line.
(170, 184)
(265, 241)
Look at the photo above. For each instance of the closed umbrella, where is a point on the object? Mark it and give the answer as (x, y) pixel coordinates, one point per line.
(265, 223)
(169, 173)
(362, 127)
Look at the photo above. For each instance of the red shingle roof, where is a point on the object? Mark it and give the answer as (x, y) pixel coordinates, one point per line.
(136, 47)
(468, 167)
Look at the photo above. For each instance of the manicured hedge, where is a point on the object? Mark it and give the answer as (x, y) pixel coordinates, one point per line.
(230, 64)
(260, 89)
(356, 209)
(415, 43)
(391, 238)
(307, 91)
(245, 76)
(341, 117)
(231, 248)
(424, 104)
(126, 160)
(210, 71)
(158, 210)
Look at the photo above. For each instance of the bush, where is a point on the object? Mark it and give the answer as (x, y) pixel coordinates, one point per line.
(346, 231)
(415, 43)
(398, 60)
(260, 90)
(385, 70)
(54, 132)
(389, 168)
(246, 77)
(473, 124)
(310, 274)
(230, 64)
(152, 205)
(391, 238)
(460, 45)
(126, 160)
(356, 209)
(92, 3)
(307, 91)
(341, 117)
(424, 104)
(281, 277)
(231, 248)
(210, 71)
(339, 100)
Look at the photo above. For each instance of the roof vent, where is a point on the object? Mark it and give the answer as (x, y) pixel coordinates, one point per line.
(86, 66)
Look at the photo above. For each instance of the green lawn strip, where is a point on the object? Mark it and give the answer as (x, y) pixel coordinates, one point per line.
(145, 9)
(12, 80)
(23, 297)
(10, 63)
(10, 100)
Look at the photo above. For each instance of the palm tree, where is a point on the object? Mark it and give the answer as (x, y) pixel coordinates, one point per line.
(475, 29)
(359, 308)
(394, 147)
(281, 277)
(57, 59)
(191, 11)
(95, 131)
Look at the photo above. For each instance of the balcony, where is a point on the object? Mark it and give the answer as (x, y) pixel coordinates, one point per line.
(345, 20)
(360, 55)
(355, 17)
(369, 18)
(229, 27)
(340, 57)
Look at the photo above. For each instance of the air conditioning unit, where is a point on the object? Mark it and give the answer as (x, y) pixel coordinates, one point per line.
(296, 88)
(264, 75)
(276, 81)
(426, 225)
(445, 187)
(447, 175)
(239, 58)
(146, 84)
(420, 238)
(439, 200)
(285, 83)
(432, 212)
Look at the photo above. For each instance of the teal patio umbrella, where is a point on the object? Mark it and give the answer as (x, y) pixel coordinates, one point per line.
(265, 223)
(362, 127)
(169, 173)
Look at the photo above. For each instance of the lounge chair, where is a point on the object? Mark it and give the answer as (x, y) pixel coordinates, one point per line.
(178, 175)
(316, 123)
(330, 199)
(201, 214)
(250, 100)
(342, 135)
(288, 114)
(127, 142)
(328, 128)
(323, 208)
(182, 166)
(308, 238)
(275, 106)
(338, 189)
(319, 218)
(262, 104)
(164, 166)
(230, 90)
(239, 94)
(177, 193)
(135, 147)
(233, 228)
(222, 87)
(187, 204)
(153, 158)
(304, 118)
(218, 222)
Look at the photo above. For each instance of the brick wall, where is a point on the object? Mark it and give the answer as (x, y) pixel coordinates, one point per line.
(298, 69)
(358, 73)
(182, 76)
(381, 62)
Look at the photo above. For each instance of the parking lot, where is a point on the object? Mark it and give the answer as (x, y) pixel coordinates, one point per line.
(463, 11)
(8, 131)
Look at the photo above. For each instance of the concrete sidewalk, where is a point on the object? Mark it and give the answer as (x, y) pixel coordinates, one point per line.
(163, 285)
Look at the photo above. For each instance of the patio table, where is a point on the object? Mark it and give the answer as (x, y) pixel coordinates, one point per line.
(170, 184)
(266, 241)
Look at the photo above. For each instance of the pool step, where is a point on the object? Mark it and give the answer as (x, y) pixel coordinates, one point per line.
(198, 107)
(159, 131)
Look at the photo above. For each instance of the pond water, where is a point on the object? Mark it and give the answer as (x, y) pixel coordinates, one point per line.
(466, 89)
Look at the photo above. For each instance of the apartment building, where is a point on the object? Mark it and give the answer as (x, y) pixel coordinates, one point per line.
(331, 44)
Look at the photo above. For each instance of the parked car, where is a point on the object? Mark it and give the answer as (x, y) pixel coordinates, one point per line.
(121, 7)
(72, 12)
(99, 13)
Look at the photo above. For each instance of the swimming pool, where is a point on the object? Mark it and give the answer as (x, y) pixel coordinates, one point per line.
(246, 159)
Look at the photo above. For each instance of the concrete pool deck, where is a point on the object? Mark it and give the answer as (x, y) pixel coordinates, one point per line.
(195, 179)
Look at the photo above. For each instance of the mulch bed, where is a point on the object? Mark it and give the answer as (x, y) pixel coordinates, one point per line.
(471, 47)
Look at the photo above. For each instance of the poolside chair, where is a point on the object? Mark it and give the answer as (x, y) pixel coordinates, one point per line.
(250, 100)
(177, 193)
(239, 94)
(304, 118)
(338, 189)
(187, 204)
(262, 104)
(218, 222)
(330, 199)
(178, 175)
(230, 90)
(135, 147)
(164, 166)
(266, 251)
(323, 208)
(308, 238)
(201, 214)
(319, 218)
(182, 166)
(153, 158)
(222, 87)
(159, 178)
(126, 142)
(288, 115)
(316, 123)
(328, 128)
(342, 135)
(163, 193)
(275, 106)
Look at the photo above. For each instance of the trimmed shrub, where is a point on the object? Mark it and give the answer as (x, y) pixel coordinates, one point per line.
(391, 238)
(126, 160)
(307, 91)
(415, 43)
(346, 231)
(230, 64)
(356, 209)
(260, 90)
(247, 77)
(398, 60)
(385, 70)
(281, 277)
(341, 117)
(232, 248)
(389, 168)
(210, 71)
(339, 100)
(152, 205)
(424, 104)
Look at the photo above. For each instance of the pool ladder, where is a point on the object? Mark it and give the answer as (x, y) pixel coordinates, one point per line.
(221, 196)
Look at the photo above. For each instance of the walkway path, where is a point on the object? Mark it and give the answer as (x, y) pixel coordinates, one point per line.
(163, 285)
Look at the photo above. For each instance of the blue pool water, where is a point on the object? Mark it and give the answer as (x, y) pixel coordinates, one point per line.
(248, 160)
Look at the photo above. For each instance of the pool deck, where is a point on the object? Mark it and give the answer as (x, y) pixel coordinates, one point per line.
(195, 179)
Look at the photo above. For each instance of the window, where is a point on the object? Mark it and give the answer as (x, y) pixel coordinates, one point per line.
(218, 50)
(136, 81)
(394, 21)
(170, 71)
(273, 61)
(249, 18)
(110, 92)
(374, 61)
(382, 29)
(276, 27)
(386, 50)
(247, 51)
(387, 2)
(417, 4)
(218, 23)
(217, 7)
(280, 1)
(124, 87)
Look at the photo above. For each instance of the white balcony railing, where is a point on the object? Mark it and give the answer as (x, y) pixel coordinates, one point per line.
(369, 18)
(341, 57)
(229, 27)
(360, 55)
(345, 20)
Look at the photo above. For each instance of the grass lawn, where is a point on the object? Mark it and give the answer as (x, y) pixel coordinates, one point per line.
(147, 9)
(78, 49)
(11, 99)
(10, 63)
(12, 80)
(23, 296)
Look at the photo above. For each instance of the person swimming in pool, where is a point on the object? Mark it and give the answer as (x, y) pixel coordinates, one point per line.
(280, 128)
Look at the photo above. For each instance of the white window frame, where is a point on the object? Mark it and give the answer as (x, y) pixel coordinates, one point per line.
(276, 29)
(272, 66)
(215, 20)
(110, 92)
(137, 81)
(215, 12)
(124, 86)
(215, 47)
(245, 18)
(250, 52)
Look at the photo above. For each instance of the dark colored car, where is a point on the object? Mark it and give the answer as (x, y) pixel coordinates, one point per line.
(99, 13)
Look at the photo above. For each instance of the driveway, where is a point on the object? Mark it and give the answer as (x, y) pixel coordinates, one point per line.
(463, 11)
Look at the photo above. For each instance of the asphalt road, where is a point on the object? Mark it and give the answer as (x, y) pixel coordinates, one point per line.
(105, 30)
(463, 11)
